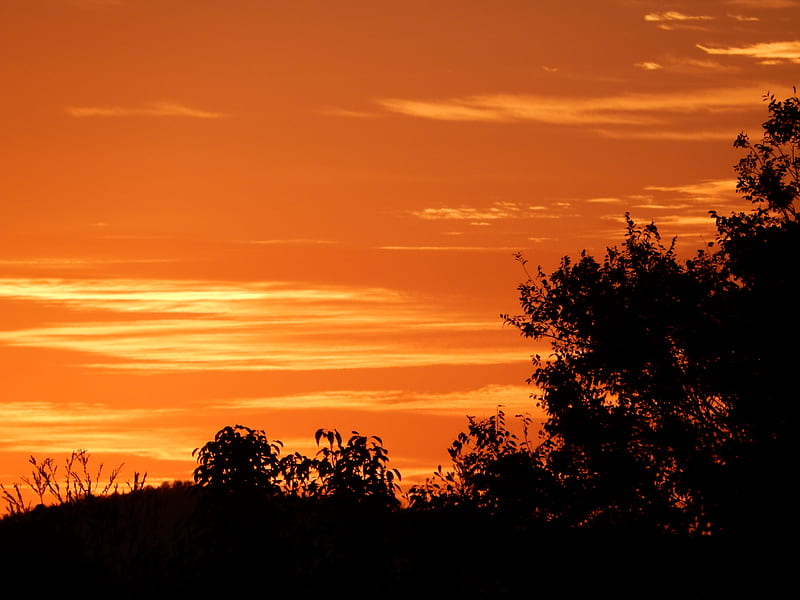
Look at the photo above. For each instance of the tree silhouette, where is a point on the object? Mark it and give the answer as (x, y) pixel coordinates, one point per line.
(493, 470)
(759, 250)
(668, 388)
(238, 458)
(356, 469)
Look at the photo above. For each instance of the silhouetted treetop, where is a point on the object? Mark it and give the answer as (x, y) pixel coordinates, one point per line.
(240, 458)
(669, 384)
(357, 469)
(770, 172)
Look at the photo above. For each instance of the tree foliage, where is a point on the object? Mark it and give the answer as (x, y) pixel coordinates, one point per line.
(240, 458)
(493, 470)
(668, 387)
(769, 175)
(357, 469)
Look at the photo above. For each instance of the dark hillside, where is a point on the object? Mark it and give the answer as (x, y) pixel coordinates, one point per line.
(181, 540)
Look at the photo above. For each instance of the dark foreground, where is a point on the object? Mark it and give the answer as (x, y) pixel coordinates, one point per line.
(177, 542)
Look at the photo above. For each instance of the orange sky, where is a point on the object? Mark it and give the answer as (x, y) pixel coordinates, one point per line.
(295, 215)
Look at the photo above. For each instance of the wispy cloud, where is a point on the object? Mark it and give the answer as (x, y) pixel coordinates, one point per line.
(709, 189)
(495, 212)
(686, 64)
(604, 200)
(619, 110)
(676, 20)
(672, 15)
(161, 109)
(468, 109)
(704, 221)
(649, 66)
(696, 195)
(685, 208)
(744, 18)
(483, 400)
(103, 429)
(768, 52)
(690, 64)
(50, 263)
(167, 325)
(451, 248)
(681, 210)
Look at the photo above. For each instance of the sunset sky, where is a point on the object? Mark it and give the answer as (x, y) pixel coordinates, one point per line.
(294, 215)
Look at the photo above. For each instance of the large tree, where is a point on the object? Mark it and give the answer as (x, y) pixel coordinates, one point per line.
(669, 385)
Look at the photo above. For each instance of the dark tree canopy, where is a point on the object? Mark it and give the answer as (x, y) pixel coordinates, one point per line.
(357, 469)
(668, 388)
(493, 470)
(243, 459)
(238, 458)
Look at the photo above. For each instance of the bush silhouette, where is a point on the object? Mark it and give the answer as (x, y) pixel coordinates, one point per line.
(78, 480)
(238, 458)
(494, 471)
(357, 469)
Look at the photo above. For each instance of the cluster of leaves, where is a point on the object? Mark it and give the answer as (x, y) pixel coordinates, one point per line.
(493, 470)
(77, 481)
(240, 458)
(356, 469)
(768, 174)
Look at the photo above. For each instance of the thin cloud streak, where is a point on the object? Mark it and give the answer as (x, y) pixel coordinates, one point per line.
(691, 65)
(702, 191)
(470, 109)
(604, 200)
(744, 18)
(50, 413)
(193, 325)
(672, 15)
(628, 109)
(767, 51)
(475, 401)
(162, 109)
(495, 212)
(182, 296)
(189, 346)
(649, 66)
(671, 20)
(101, 428)
(704, 221)
(450, 248)
(79, 263)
